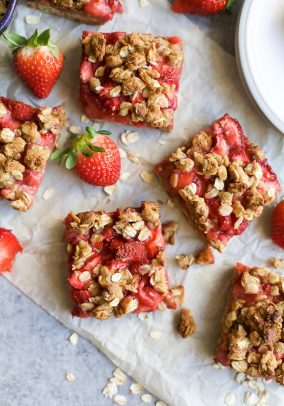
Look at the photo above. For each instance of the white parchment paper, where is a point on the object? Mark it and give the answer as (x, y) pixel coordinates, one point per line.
(176, 370)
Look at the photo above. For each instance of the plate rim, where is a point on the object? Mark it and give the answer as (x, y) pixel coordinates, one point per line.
(245, 69)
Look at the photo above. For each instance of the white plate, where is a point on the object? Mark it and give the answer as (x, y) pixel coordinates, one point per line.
(260, 56)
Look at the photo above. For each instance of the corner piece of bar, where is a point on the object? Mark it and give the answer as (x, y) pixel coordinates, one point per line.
(27, 138)
(221, 180)
(251, 339)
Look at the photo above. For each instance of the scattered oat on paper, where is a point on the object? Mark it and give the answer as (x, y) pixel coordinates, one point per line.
(47, 193)
(156, 335)
(109, 190)
(120, 400)
(73, 338)
(147, 398)
(70, 377)
(74, 130)
(118, 377)
(146, 176)
(136, 388)
(32, 19)
(110, 390)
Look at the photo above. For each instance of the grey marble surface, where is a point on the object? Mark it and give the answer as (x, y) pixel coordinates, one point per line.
(35, 352)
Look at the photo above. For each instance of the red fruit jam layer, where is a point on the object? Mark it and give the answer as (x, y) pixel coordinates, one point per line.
(90, 12)
(117, 262)
(251, 339)
(221, 180)
(27, 137)
(131, 79)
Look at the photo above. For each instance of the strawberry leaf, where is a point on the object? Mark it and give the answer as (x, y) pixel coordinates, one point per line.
(96, 149)
(54, 50)
(15, 40)
(85, 151)
(57, 154)
(104, 132)
(71, 160)
(44, 37)
(32, 41)
(229, 4)
(91, 131)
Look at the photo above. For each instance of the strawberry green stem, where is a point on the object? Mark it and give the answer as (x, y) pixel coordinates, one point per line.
(81, 144)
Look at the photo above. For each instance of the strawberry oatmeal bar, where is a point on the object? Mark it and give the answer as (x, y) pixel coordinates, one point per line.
(131, 78)
(84, 11)
(221, 180)
(251, 339)
(117, 263)
(27, 137)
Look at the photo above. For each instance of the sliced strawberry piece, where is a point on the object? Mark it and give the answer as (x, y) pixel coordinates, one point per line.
(156, 244)
(225, 223)
(92, 262)
(20, 111)
(277, 225)
(239, 154)
(184, 179)
(147, 296)
(242, 227)
(133, 251)
(86, 71)
(108, 233)
(232, 131)
(80, 296)
(9, 248)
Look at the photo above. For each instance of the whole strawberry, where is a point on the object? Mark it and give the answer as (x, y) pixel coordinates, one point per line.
(203, 7)
(37, 61)
(277, 226)
(94, 157)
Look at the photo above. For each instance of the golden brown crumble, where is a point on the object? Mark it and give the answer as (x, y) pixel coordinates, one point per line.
(132, 61)
(112, 290)
(255, 331)
(229, 182)
(169, 231)
(186, 326)
(17, 147)
(185, 261)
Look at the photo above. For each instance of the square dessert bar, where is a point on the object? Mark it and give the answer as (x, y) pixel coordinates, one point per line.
(131, 78)
(86, 11)
(117, 262)
(27, 137)
(221, 180)
(252, 339)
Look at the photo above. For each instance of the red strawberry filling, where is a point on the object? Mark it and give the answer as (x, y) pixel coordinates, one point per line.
(221, 174)
(119, 265)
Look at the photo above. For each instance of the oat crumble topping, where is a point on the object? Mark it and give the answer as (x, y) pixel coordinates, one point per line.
(21, 150)
(221, 180)
(129, 68)
(186, 326)
(112, 256)
(252, 340)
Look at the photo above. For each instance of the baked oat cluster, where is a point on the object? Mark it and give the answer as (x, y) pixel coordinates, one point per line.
(252, 336)
(131, 78)
(27, 137)
(85, 11)
(117, 263)
(221, 180)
